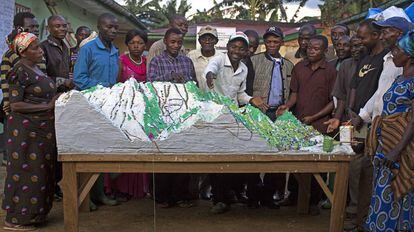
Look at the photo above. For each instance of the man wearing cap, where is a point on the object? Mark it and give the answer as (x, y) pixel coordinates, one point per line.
(271, 81)
(272, 72)
(226, 75)
(208, 38)
(391, 30)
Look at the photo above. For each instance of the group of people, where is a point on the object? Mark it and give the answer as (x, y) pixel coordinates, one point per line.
(366, 78)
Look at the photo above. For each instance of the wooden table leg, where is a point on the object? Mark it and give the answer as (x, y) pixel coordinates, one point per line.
(339, 197)
(304, 182)
(70, 197)
(83, 178)
(86, 182)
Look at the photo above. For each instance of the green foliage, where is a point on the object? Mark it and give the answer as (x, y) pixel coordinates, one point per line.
(286, 133)
(333, 11)
(272, 10)
(154, 15)
(207, 15)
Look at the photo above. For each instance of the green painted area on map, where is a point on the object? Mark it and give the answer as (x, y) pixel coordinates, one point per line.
(286, 133)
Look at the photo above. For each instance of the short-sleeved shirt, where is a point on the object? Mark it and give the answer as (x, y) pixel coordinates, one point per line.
(365, 80)
(389, 74)
(313, 89)
(8, 61)
(229, 82)
(342, 86)
(200, 63)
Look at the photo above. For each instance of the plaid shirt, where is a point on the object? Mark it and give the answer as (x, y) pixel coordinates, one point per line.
(162, 67)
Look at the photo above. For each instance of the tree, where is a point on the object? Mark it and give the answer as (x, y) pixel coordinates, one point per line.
(261, 9)
(333, 11)
(154, 15)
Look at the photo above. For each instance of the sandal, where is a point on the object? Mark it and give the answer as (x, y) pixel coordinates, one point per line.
(185, 204)
(14, 227)
(164, 205)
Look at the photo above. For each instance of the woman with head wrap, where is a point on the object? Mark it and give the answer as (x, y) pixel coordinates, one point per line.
(29, 185)
(392, 141)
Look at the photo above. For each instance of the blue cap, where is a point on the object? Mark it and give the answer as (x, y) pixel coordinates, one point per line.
(400, 23)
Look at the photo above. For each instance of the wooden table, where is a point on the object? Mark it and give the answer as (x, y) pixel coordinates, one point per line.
(80, 171)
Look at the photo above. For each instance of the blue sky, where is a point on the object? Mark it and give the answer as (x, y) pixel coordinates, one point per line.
(310, 9)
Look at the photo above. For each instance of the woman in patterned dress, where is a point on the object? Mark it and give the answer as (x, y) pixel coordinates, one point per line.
(131, 65)
(29, 185)
(392, 135)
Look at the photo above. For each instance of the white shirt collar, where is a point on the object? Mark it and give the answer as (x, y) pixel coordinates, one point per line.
(388, 56)
(227, 63)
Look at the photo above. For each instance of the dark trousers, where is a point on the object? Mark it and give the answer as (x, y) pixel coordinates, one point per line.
(171, 188)
(254, 185)
(317, 193)
(221, 187)
(273, 182)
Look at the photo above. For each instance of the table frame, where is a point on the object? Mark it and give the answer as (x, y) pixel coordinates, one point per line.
(80, 171)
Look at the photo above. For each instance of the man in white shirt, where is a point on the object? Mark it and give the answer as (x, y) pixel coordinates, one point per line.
(226, 75)
(208, 38)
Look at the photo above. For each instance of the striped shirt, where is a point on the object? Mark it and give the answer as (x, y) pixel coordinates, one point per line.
(9, 59)
(163, 66)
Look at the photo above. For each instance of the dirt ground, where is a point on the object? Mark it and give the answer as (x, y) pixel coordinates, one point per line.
(138, 215)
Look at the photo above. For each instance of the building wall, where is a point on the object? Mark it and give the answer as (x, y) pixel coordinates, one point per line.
(74, 14)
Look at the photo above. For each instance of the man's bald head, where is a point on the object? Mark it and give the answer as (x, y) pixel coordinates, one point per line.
(308, 28)
(108, 27)
(179, 22)
(54, 18)
(306, 32)
(105, 17)
(57, 26)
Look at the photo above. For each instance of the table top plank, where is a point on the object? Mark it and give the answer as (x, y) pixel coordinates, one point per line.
(202, 157)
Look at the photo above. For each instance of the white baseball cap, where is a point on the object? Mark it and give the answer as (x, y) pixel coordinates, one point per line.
(239, 35)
